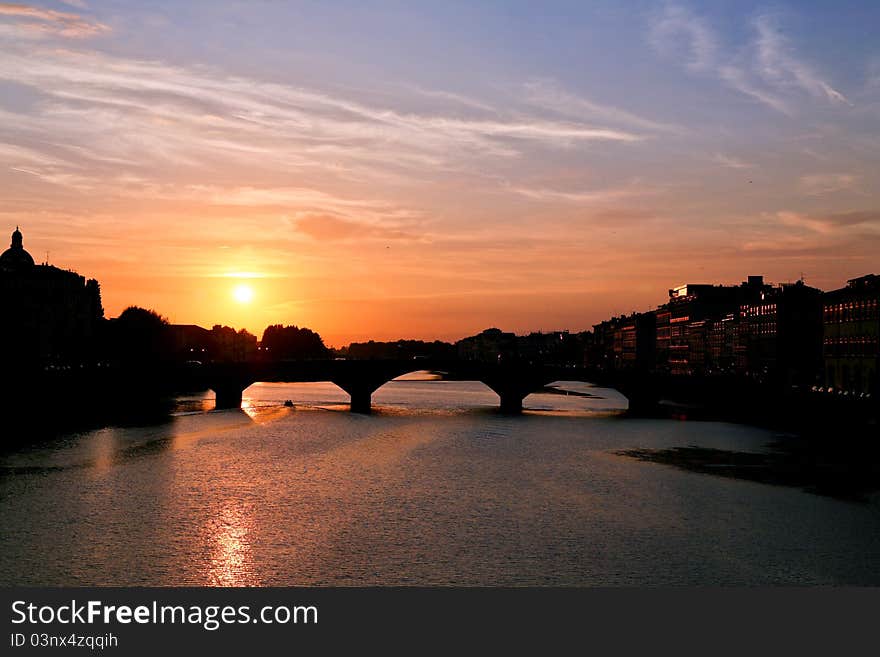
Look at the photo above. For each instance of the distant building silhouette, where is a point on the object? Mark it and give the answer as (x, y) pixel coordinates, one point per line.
(684, 323)
(781, 335)
(769, 334)
(15, 258)
(624, 343)
(190, 342)
(496, 346)
(492, 345)
(49, 315)
(851, 349)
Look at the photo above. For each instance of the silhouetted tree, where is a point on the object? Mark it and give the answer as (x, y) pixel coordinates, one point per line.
(286, 342)
(400, 349)
(138, 336)
(227, 344)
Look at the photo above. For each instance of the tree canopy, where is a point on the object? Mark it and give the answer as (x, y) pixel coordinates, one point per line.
(139, 335)
(292, 342)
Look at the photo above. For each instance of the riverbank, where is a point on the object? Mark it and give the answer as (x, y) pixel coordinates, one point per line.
(846, 468)
(800, 411)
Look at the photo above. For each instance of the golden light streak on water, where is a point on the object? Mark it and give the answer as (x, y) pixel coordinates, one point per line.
(231, 560)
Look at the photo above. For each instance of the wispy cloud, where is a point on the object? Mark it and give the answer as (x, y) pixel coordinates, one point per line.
(150, 113)
(818, 184)
(872, 75)
(766, 69)
(779, 66)
(740, 80)
(731, 162)
(35, 22)
(548, 94)
(454, 98)
(830, 222)
(333, 228)
(592, 196)
(681, 34)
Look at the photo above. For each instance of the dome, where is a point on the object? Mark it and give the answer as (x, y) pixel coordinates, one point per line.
(15, 258)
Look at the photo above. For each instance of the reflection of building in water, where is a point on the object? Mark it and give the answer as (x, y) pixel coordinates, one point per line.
(49, 315)
(852, 336)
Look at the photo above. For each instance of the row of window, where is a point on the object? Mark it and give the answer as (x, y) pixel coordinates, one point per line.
(852, 339)
(755, 311)
(852, 311)
(859, 346)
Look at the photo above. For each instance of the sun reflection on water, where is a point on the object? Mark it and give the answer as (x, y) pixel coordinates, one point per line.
(231, 561)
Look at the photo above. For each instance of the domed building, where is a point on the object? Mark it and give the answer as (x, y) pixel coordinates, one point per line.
(15, 258)
(50, 315)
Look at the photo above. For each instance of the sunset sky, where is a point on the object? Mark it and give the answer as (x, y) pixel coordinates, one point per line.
(428, 170)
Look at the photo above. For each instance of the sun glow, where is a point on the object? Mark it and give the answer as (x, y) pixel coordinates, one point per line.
(243, 293)
(244, 274)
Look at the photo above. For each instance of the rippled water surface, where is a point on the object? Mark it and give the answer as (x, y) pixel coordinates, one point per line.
(434, 488)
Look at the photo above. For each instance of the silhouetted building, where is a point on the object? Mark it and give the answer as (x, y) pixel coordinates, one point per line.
(15, 258)
(555, 347)
(663, 336)
(782, 335)
(600, 348)
(624, 343)
(724, 357)
(191, 342)
(492, 345)
(851, 350)
(50, 316)
(684, 323)
(496, 346)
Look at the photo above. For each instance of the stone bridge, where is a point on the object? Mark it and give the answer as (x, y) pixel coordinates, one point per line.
(512, 382)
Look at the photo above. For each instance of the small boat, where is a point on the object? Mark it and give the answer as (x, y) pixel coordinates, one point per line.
(288, 403)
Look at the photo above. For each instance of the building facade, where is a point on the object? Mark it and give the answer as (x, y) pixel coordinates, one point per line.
(50, 316)
(628, 342)
(769, 334)
(781, 336)
(850, 349)
(685, 325)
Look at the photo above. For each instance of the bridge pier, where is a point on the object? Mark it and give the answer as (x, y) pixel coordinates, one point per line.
(512, 387)
(511, 402)
(361, 401)
(643, 396)
(228, 396)
(361, 393)
(228, 381)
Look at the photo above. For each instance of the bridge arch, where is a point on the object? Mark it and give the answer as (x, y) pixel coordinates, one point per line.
(512, 382)
(441, 376)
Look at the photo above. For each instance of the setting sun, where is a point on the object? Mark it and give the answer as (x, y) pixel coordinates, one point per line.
(243, 293)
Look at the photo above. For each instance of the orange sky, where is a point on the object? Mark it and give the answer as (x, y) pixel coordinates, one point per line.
(386, 195)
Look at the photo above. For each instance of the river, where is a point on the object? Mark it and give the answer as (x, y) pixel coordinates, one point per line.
(434, 488)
